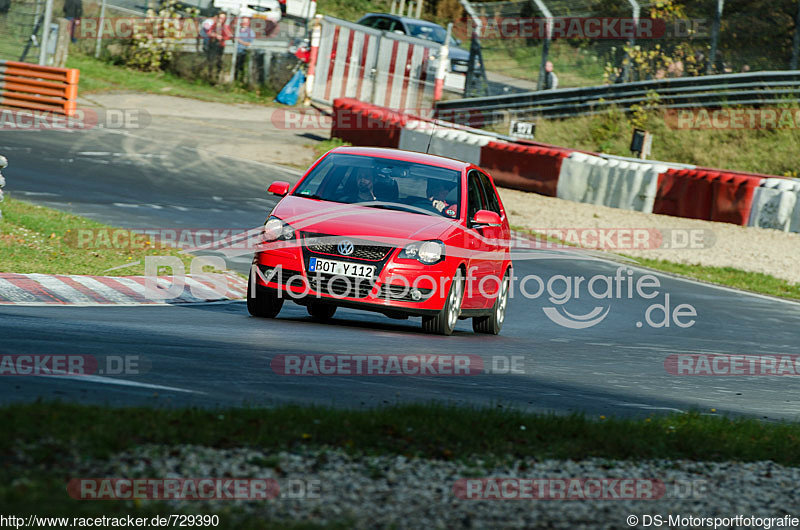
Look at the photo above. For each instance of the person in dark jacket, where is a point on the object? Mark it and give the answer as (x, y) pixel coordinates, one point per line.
(73, 11)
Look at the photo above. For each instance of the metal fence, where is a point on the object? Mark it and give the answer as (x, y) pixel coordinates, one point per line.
(748, 89)
(686, 38)
(21, 29)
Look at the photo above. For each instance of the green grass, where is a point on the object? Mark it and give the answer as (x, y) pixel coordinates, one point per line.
(432, 431)
(729, 276)
(574, 66)
(761, 151)
(42, 240)
(320, 148)
(99, 76)
(352, 9)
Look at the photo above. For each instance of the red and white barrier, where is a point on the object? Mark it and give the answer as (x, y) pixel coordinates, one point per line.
(388, 69)
(613, 182)
(776, 204)
(745, 199)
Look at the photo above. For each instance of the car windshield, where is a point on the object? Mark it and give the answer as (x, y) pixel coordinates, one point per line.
(429, 32)
(384, 183)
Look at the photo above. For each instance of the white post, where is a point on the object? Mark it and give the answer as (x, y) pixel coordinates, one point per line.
(48, 19)
(100, 30)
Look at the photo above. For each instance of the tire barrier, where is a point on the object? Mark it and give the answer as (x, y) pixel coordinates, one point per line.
(42, 88)
(524, 167)
(612, 182)
(364, 124)
(776, 204)
(707, 194)
(746, 199)
(3, 164)
(423, 136)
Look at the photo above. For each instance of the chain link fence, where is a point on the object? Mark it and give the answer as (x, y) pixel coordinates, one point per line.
(21, 29)
(595, 42)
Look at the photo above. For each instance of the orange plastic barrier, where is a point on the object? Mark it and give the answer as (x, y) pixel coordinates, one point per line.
(524, 167)
(35, 87)
(712, 195)
(366, 124)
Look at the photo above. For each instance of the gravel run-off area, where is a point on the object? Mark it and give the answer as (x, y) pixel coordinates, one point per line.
(401, 492)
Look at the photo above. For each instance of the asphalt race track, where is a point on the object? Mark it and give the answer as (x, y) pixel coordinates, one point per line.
(217, 355)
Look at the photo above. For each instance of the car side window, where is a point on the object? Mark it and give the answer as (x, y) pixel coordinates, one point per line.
(369, 22)
(492, 202)
(383, 24)
(475, 195)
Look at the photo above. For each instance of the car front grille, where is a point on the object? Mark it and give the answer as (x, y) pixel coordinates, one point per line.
(365, 250)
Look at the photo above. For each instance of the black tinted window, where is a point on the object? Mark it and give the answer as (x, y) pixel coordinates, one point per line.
(492, 202)
(476, 200)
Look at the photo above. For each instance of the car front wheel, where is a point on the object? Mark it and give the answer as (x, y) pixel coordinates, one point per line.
(494, 322)
(263, 303)
(445, 321)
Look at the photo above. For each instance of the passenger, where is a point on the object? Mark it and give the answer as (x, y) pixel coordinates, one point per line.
(438, 190)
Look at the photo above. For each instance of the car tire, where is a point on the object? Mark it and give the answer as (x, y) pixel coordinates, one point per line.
(493, 323)
(445, 321)
(265, 303)
(321, 312)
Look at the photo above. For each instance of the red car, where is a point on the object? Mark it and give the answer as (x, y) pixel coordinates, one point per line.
(398, 232)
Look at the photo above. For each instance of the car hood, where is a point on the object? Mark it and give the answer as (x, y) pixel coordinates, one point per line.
(458, 54)
(332, 218)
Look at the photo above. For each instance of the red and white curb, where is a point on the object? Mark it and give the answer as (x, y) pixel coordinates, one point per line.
(58, 289)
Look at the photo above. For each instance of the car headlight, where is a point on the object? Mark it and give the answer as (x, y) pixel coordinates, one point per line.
(427, 252)
(275, 229)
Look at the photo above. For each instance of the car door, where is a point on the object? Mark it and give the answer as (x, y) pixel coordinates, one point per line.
(497, 235)
(479, 263)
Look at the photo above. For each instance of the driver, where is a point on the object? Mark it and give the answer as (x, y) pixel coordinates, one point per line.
(365, 183)
(438, 190)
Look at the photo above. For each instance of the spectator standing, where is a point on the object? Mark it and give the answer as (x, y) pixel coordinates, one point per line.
(205, 27)
(550, 77)
(73, 11)
(218, 35)
(243, 43)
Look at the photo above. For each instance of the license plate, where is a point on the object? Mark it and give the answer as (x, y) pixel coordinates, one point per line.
(340, 268)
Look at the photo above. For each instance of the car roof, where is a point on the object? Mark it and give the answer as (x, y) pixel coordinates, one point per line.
(417, 21)
(408, 156)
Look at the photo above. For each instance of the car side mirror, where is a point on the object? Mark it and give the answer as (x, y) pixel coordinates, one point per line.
(486, 218)
(279, 187)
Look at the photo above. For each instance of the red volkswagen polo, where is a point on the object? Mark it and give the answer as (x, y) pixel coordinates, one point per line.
(398, 232)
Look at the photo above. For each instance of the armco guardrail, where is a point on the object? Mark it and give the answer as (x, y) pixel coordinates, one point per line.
(680, 190)
(35, 87)
(753, 88)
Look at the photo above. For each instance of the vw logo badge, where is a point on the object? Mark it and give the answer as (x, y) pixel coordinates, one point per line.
(345, 247)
